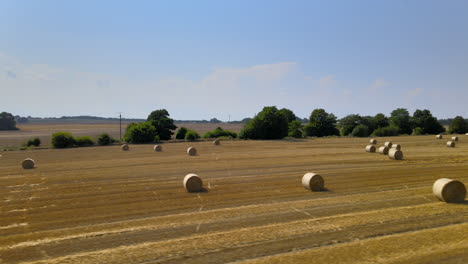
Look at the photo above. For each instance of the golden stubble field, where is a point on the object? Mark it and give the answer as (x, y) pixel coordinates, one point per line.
(103, 205)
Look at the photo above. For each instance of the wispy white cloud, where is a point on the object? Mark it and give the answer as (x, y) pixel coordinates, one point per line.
(414, 92)
(327, 81)
(378, 85)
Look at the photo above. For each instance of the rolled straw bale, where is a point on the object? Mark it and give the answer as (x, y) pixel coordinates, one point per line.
(449, 191)
(193, 183)
(370, 148)
(125, 147)
(451, 144)
(454, 138)
(157, 148)
(388, 144)
(373, 141)
(466, 134)
(439, 136)
(216, 142)
(28, 164)
(313, 182)
(383, 150)
(395, 154)
(192, 151)
(396, 146)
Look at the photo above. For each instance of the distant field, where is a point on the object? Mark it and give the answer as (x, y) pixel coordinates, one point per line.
(103, 205)
(44, 130)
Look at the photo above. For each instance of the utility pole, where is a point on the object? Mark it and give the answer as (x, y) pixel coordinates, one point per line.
(120, 126)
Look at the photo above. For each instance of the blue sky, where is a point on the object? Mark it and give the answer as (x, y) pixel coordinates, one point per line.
(204, 59)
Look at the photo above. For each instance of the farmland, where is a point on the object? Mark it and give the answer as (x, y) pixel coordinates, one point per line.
(103, 205)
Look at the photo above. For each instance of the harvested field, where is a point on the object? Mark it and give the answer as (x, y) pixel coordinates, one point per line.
(103, 205)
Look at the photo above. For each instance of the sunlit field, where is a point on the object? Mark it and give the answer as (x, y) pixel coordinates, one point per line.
(104, 205)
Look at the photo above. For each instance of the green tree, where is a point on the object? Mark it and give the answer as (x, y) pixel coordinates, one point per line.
(400, 118)
(458, 126)
(104, 139)
(143, 132)
(268, 124)
(163, 124)
(348, 123)
(181, 133)
(370, 123)
(219, 132)
(381, 120)
(360, 131)
(295, 129)
(428, 124)
(7, 121)
(321, 124)
(290, 116)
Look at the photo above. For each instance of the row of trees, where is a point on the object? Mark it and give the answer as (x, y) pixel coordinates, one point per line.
(272, 123)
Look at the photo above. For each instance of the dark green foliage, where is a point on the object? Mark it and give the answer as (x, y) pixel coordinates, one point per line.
(7, 121)
(417, 131)
(156, 139)
(400, 118)
(181, 133)
(191, 135)
(321, 124)
(458, 126)
(360, 131)
(290, 116)
(348, 123)
(104, 139)
(219, 132)
(386, 131)
(370, 122)
(381, 121)
(162, 123)
(428, 124)
(215, 120)
(62, 140)
(36, 142)
(140, 133)
(295, 129)
(268, 124)
(84, 141)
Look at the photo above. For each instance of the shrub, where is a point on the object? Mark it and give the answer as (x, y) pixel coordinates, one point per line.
(140, 133)
(386, 131)
(417, 131)
(62, 140)
(295, 129)
(360, 131)
(156, 139)
(219, 132)
(191, 135)
(33, 142)
(84, 141)
(181, 133)
(104, 139)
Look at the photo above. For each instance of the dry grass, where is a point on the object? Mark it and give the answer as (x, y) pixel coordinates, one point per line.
(103, 205)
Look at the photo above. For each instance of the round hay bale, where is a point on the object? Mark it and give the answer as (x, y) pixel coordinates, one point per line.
(396, 146)
(313, 182)
(216, 142)
(28, 164)
(157, 148)
(454, 139)
(388, 144)
(370, 148)
(383, 150)
(193, 183)
(373, 141)
(449, 191)
(395, 154)
(439, 136)
(125, 147)
(192, 151)
(451, 144)
(466, 134)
